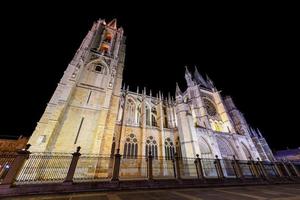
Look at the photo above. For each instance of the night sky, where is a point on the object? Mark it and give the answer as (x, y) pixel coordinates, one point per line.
(250, 53)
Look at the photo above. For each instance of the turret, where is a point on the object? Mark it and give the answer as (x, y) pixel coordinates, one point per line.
(188, 78)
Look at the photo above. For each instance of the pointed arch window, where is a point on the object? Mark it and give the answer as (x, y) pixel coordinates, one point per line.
(169, 149)
(165, 117)
(138, 118)
(130, 111)
(153, 116)
(147, 115)
(131, 147)
(151, 146)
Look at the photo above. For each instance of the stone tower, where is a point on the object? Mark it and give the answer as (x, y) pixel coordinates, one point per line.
(83, 109)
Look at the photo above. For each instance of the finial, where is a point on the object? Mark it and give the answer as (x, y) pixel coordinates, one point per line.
(27, 146)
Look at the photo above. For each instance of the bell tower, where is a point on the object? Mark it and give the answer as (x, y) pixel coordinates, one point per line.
(83, 109)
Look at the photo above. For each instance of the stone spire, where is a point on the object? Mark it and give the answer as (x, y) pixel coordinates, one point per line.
(199, 79)
(209, 82)
(188, 77)
(178, 91)
(113, 24)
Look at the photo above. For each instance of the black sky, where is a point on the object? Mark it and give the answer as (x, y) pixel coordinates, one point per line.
(250, 52)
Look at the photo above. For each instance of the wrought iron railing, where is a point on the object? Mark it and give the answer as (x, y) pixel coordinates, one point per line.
(133, 167)
(163, 168)
(93, 168)
(44, 168)
(6, 160)
(47, 167)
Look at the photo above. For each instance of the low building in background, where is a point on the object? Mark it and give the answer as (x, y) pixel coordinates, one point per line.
(288, 154)
(12, 143)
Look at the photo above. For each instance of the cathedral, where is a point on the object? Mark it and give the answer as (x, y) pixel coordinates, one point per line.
(91, 109)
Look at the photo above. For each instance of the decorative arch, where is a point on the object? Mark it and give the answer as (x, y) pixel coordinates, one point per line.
(226, 149)
(92, 65)
(205, 149)
(131, 147)
(246, 151)
(169, 149)
(130, 111)
(151, 146)
(153, 116)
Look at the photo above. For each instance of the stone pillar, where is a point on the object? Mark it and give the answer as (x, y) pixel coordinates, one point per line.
(72, 168)
(177, 167)
(262, 168)
(199, 168)
(254, 168)
(295, 169)
(16, 166)
(149, 167)
(237, 168)
(219, 168)
(116, 166)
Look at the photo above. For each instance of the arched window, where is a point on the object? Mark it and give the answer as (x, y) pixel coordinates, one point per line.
(147, 115)
(225, 148)
(131, 147)
(246, 151)
(166, 125)
(138, 116)
(205, 149)
(169, 149)
(153, 116)
(151, 146)
(130, 112)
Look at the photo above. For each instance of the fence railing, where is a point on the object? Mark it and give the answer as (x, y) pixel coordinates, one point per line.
(25, 167)
(44, 168)
(6, 160)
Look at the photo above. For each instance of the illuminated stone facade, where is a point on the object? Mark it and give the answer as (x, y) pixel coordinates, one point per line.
(90, 109)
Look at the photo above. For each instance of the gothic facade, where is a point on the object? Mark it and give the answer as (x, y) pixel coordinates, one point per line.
(89, 108)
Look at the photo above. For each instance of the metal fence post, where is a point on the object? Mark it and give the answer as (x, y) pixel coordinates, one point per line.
(16, 166)
(262, 168)
(72, 168)
(237, 168)
(199, 168)
(279, 172)
(254, 168)
(177, 167)
(149, 166)
(116, 166)
(286, 169)
(295, 169)
(219, 168)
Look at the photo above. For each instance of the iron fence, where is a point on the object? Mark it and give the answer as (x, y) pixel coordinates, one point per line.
(270, 169)
(187, 168)
(93, 168)
(209, 168)
(44, 168)
(6, 160)
(228, 168)
(133, 167)
(163, 168)
(53, 167)
(246, 169)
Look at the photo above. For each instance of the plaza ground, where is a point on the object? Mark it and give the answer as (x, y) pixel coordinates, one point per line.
(290, 191)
